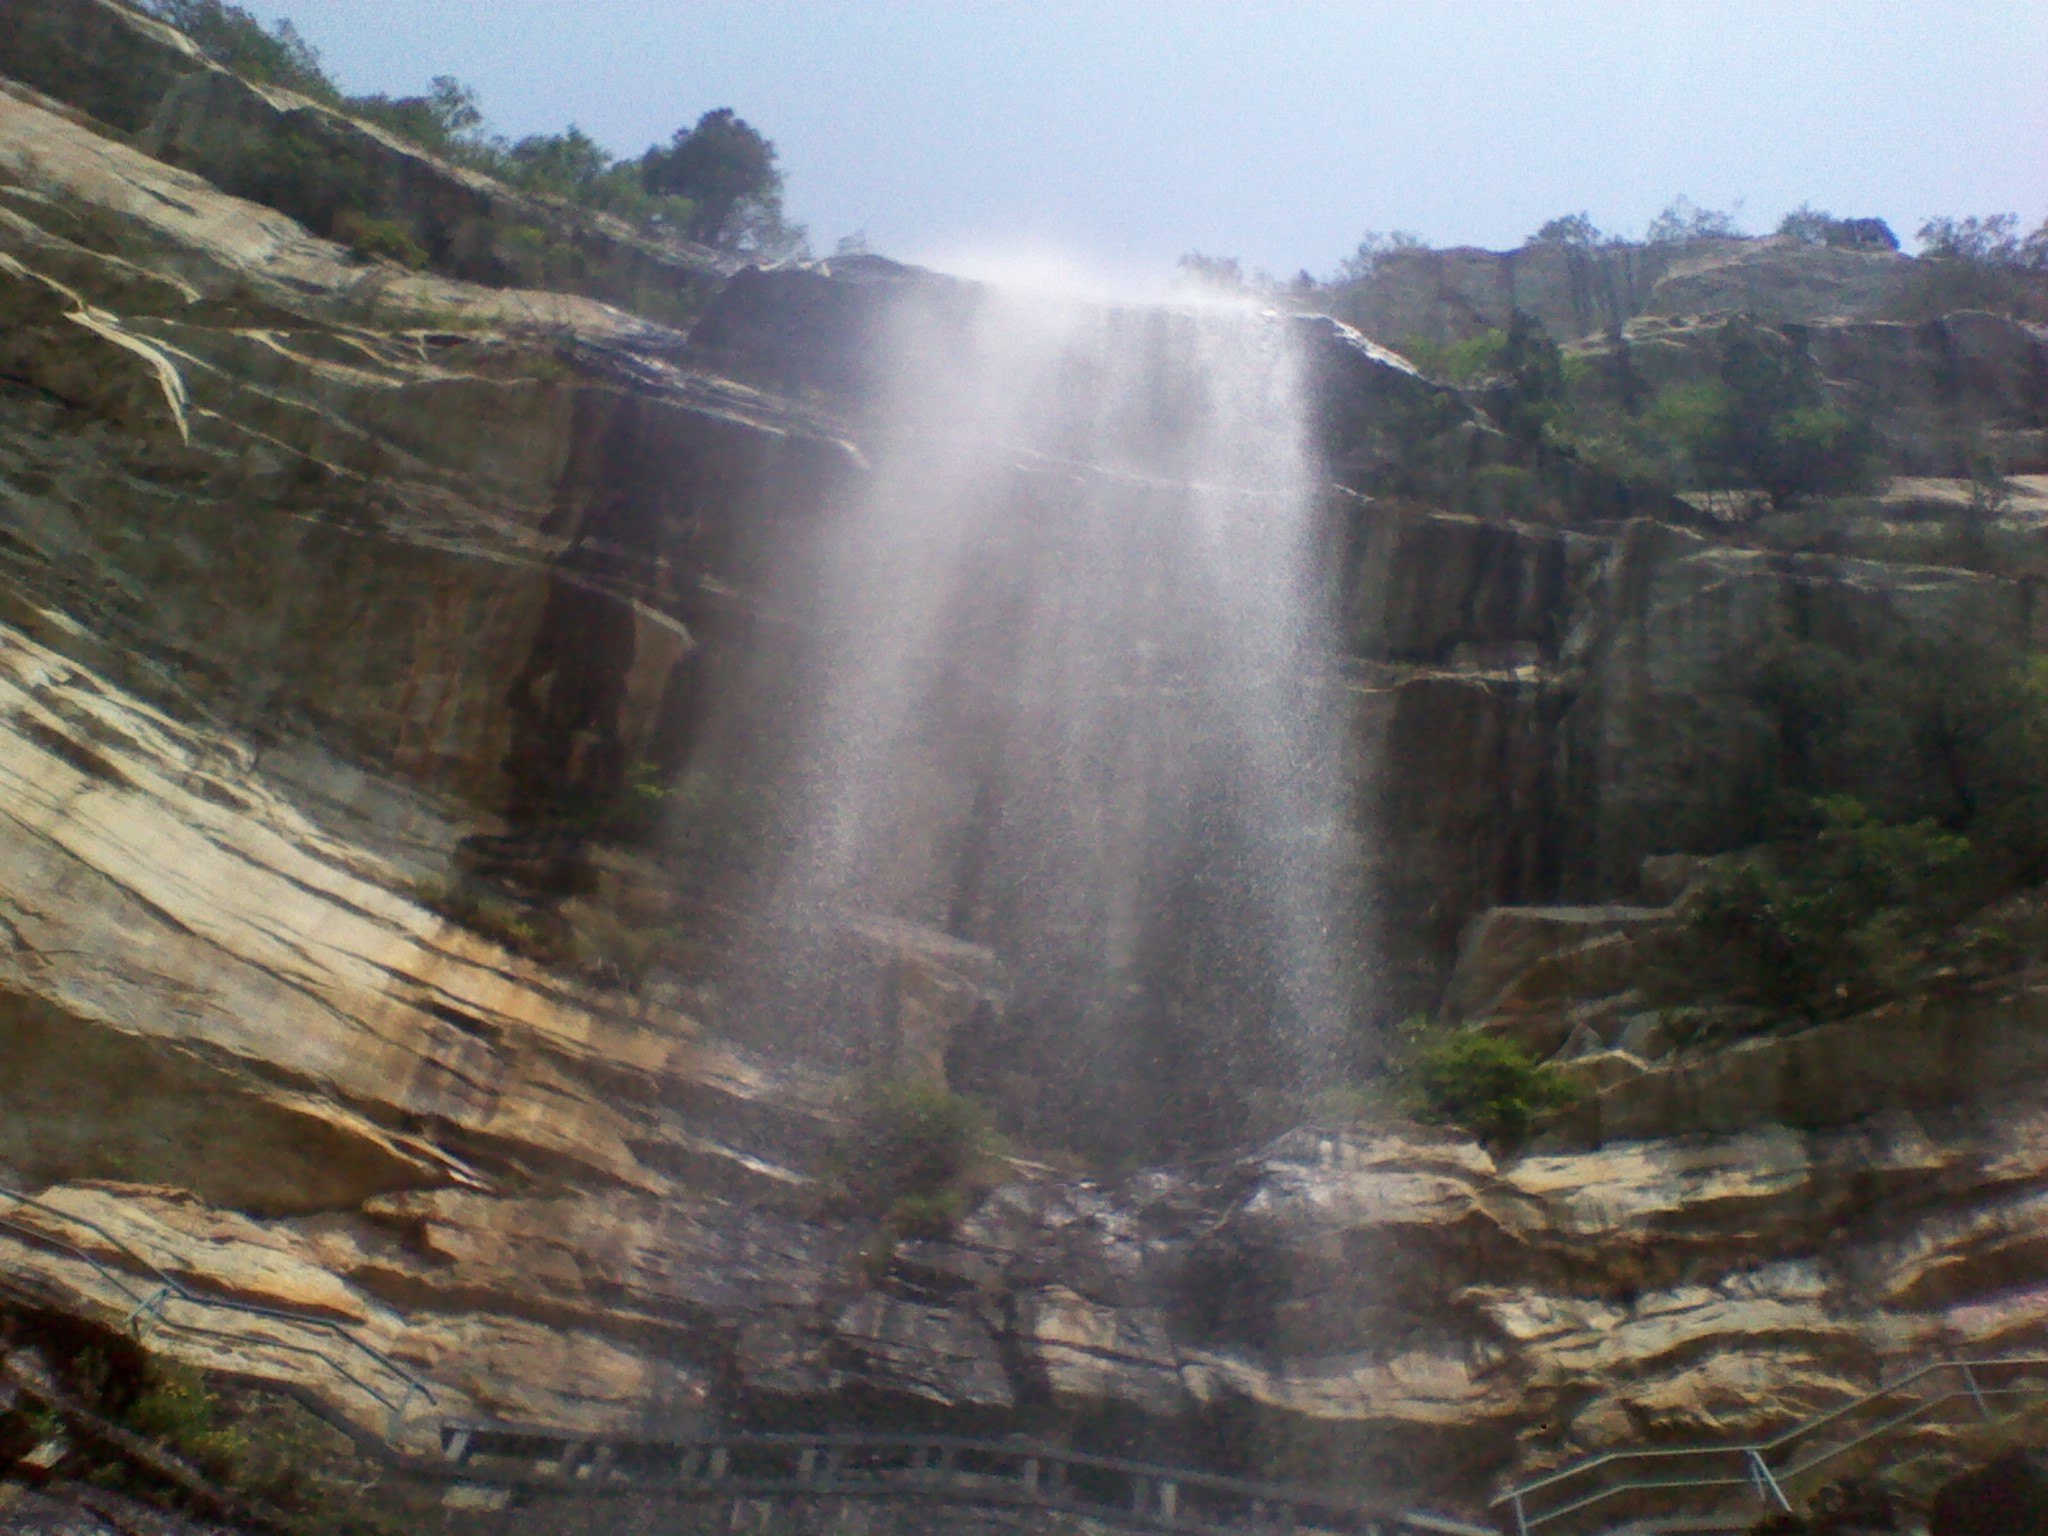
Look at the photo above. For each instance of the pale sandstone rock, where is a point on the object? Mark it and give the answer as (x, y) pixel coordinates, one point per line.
(1092, 1354)
(545, 1193)
(1598, 1069)
(215, 1252)
(1507, 944)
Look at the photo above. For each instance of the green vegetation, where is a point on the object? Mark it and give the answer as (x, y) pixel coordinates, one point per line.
(269, 1454)
(1685, 220)
(724, 168)
(1762, 422)
(716, 182)
(1816, 226)
(1455, 362)
(1992, 239)
(525, 930)
(1531, 399)
(1589, 437)
(1978, 262)
(1486, 1084)
(384, 239)
(176, 1409)
(1888, 797)
(1765, 422)
(1375, 248)
(1571, 229)
(230, 35)
(913, 1156)
(1828, 923)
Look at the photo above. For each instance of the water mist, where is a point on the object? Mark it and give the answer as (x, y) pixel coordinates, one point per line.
(1065, 691)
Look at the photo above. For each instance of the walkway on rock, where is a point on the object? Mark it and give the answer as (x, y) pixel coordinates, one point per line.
(1674, 1489)
(930, 1469)
(1687, 1490)
(927, 1469)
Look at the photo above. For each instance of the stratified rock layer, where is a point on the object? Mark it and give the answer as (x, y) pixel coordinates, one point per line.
(345, 612)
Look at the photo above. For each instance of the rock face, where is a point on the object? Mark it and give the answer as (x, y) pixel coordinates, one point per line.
(1439, 296)
(1938, 390)
(355, 623)
(336, 174)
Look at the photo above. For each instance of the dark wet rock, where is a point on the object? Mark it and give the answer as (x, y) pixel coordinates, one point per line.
(2007, 1498)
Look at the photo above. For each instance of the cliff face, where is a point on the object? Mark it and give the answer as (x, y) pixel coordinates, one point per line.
(348, 618)
(1439, 296)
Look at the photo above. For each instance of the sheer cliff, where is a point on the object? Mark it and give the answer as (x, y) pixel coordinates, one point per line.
(376, 859)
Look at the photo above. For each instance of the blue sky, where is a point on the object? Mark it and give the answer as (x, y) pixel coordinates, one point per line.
(1122, 134)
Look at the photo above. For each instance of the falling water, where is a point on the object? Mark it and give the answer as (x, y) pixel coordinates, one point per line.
(1067, 696)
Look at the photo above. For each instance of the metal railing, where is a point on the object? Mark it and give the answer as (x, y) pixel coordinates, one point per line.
(153, 1306)
(1712, 1478)
(932, 1469)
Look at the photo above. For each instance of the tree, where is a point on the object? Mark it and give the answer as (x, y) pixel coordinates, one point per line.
(1533, 395)
(1980, 262)
(1767, 422)
(1571, 229)
(1992, 238)
(1374, 248)
(447, 120)
(568, 164)
(1220, 272)
(725, 167)
(1808, 225)
(231, 36)
(1686, 220)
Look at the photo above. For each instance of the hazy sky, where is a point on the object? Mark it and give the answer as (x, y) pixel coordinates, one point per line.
(1123, 134)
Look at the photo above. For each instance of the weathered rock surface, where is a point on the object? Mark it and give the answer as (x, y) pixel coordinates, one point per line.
(1938, 390)
(1577, 291)
(144, 79)
(331, 598)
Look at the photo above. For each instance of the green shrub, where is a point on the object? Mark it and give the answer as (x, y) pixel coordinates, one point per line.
(530, 931)
(296, 177)
(913, 1155)
(1487, 1084)
(176, 1409)
(1826, 924)
(1765, 422)
(1456, 362)
(389, 239)
(233, 37)
(534, 257)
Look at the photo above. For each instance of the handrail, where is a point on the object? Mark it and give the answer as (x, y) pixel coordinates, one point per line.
(170, 1289)
(1755, 1463)
(934, 1468)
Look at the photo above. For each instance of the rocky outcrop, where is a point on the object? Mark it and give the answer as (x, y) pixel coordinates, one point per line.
(1941, 392)
(1389, 1312)
(351, 620)
(517, 457)
(1450, 295)
(330, 170)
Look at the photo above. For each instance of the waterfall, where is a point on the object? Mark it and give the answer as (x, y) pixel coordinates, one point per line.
(1065, 691)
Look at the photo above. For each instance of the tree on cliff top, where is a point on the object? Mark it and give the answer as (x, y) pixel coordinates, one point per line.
(231, 36)
(1374, 248)
(1686, 220)
(1571, 229)
(725, 167)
